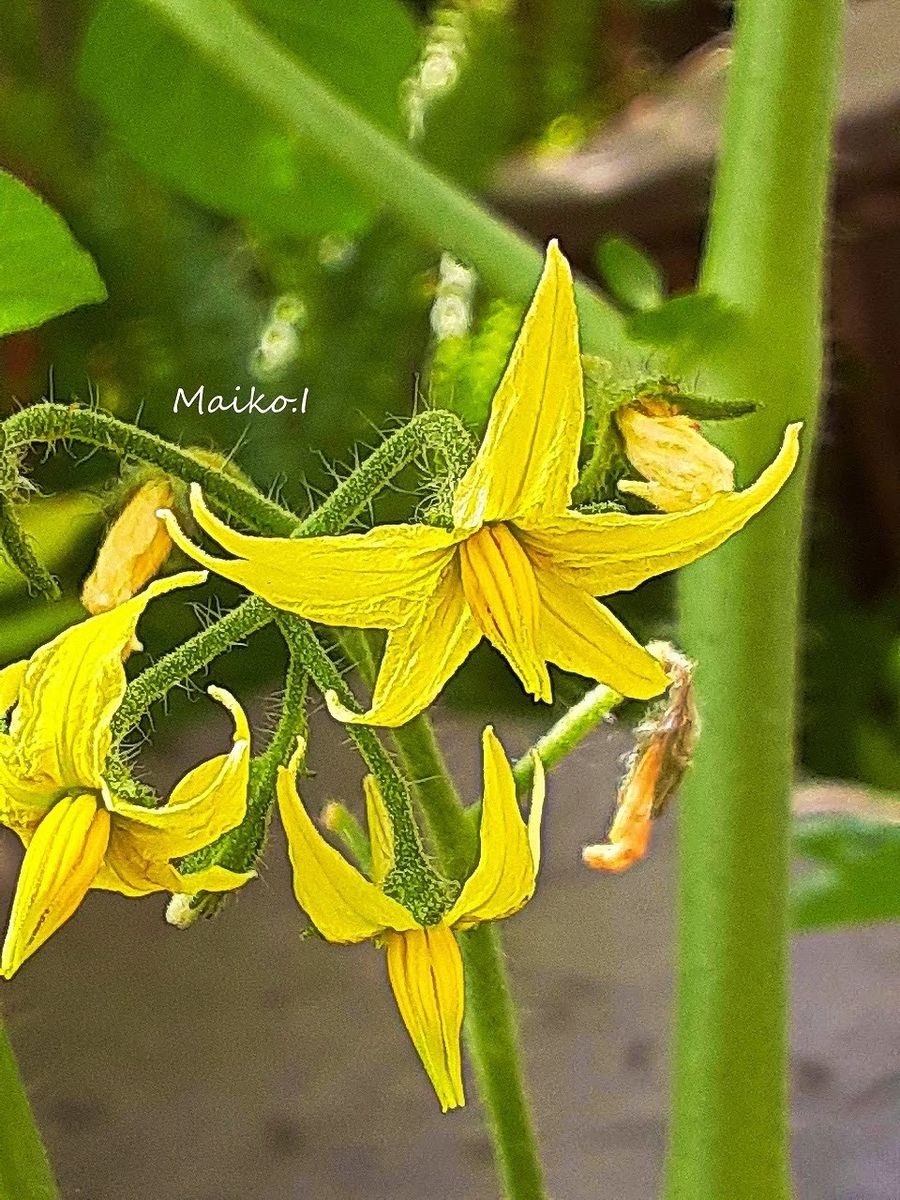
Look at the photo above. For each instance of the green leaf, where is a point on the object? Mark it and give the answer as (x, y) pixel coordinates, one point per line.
(632, 277)
(184, 120)
(43, 270)
(857, 879)
(692, 326)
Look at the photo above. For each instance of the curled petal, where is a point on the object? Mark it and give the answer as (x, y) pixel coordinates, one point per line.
(419, 658)
(130, 871)
(207, 802)
(580, 635)
(604, 553)
(364, 580)
(71, 689)
(426, 974)
(61, 862)
(505, 876)
(528, 461)
(342, 904)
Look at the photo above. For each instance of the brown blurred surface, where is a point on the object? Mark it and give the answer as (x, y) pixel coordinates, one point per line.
(238, 1060)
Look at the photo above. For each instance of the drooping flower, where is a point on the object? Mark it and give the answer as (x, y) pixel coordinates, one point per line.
(423, 961)
(664, 746)
(519, 567)
(681, 469)
(59, 795)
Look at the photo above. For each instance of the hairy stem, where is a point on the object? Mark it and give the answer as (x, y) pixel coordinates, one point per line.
(740, 618)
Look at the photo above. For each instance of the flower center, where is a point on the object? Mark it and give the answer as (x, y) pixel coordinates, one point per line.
(501, 590)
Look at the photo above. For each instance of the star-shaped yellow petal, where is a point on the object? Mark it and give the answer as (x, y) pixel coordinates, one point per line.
(519, 567)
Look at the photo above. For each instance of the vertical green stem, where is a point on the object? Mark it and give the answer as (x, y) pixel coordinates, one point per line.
(25, 1172)
(740, 613)
(492, 1039)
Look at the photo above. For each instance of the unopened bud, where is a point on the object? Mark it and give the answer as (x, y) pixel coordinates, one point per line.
(681, 468)
(133, 551)
(655, 769)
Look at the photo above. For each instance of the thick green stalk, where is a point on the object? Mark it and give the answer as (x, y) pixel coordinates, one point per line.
(380, 166)
(740, 615)
(25, 1172)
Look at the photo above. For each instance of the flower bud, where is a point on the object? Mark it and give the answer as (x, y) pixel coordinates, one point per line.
(133, 551)
(681, 468)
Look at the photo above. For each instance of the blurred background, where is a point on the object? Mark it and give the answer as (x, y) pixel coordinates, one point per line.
(236, 1058)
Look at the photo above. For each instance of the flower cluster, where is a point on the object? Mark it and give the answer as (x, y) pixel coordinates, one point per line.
(517, 564)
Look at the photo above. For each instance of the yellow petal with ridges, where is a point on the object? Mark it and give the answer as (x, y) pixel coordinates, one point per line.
(501, 591)
(60, 864)
(528, 461)
(207, 802)
(364, 580)
(505, 876)
(581, 635)
(381, 835)
(426, 974)
(612, 552)
(71, 690)
(342, 904)
(131, 871)
(419, 657)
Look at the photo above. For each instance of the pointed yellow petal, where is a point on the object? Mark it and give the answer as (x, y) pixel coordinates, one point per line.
(23, 802)
(528, 461)
(364, 580)
(580, 635)
(59, 867)
(342, 904)
(501, 591)
(130, 871)
(207, 802)
(71, 689)
(381, 835)
(426, 974)
(507, 869)
(419, 657)
(613, 552)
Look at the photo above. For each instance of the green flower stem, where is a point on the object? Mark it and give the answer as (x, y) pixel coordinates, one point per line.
(380, 166)
(571, 729)
(492, 1039)
(25, 1172)
(18, 549)
(740, 618)
(50, 423)
(192, 656)
(412, 879)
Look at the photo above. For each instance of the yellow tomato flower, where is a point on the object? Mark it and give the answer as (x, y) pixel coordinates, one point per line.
(53, 792)
(681, 468)
(519, 567)
(424, 962)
